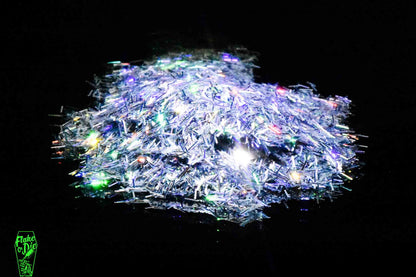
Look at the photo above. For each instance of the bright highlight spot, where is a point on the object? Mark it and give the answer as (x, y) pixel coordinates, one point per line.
(92, 139)
(242, 157)
(161, 119)
(256, 179)
(114, 154)
(211, 197)
(281, 91)
(99, 181)
(295, 176)
(180, 109)
(141, 159)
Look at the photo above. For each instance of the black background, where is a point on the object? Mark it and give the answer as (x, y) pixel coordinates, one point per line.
(363, 50)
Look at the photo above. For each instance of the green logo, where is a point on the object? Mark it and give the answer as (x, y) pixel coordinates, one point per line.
(25, 247)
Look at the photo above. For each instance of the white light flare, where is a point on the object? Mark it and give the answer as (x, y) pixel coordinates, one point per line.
(242, 157)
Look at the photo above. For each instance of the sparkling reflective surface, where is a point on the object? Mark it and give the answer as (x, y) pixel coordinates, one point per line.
(51, 52)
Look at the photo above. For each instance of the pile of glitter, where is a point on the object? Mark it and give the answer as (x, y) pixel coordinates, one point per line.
(196, 133)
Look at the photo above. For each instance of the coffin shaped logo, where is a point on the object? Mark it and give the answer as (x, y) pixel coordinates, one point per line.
(25, 247)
